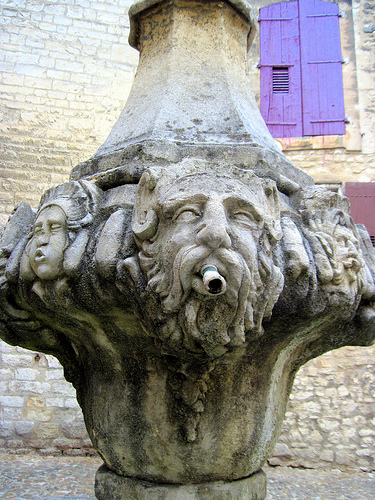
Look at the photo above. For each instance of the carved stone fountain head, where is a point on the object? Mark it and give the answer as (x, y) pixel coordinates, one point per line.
(187, 270)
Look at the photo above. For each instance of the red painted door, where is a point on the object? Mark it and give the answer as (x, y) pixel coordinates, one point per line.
(362, 204)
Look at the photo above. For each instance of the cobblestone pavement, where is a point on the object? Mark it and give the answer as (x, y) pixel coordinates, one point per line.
(25, 477)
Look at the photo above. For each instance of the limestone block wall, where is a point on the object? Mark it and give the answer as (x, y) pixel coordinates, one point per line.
(66, 70)
(38, 408)
(330, 421)
(364, 19)
(65, 73)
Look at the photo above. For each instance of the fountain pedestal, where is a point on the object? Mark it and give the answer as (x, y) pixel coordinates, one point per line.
(111, 486)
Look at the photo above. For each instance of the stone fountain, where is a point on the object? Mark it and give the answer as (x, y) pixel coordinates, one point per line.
(187, 270)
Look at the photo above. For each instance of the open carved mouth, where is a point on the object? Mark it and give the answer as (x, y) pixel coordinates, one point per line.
(39, 256)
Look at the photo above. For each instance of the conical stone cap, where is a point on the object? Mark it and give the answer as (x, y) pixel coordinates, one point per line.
(191, 97)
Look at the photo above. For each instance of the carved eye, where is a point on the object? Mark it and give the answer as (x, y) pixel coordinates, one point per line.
(37, 230)
(55, 226)
(187, 214)
(244, 217)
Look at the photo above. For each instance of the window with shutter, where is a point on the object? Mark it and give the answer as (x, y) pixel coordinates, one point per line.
(280, 61)
(362, 204)
(300, 69)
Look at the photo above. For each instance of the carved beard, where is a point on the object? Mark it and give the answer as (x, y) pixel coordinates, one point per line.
(203, 322)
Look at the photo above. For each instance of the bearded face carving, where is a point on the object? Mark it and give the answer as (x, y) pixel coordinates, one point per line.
(196, 220)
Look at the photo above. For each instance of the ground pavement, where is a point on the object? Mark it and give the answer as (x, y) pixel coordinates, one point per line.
(25, 477)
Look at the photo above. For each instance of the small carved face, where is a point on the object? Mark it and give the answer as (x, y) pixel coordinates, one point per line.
(345, 259)
(47, 245)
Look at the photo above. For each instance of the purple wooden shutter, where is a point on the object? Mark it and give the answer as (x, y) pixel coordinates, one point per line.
(362, 204)
(322, 87)
(280, 74)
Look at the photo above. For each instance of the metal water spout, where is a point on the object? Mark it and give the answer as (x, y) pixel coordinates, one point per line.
(213, 281)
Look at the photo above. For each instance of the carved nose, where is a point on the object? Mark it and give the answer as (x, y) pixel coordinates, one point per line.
(42, 239)
(214, 236)
(213, 232)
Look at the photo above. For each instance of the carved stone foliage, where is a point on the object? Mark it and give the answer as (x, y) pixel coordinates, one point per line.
(182, 311)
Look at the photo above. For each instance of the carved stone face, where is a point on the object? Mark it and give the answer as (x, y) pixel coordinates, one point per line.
(208, 220)
(346, 255)
(216, 223)
(47, 245)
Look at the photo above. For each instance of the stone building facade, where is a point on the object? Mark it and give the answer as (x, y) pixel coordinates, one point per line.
(65, 72)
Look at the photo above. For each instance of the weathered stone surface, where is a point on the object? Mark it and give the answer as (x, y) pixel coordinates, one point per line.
(110, 486)
(184, 378)
(173, 351)
(166, 119)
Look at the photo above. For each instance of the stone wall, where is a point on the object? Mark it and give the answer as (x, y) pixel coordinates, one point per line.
(66, 70)
(364, 19)
(65, 73)
(38, 408)
(330, 421)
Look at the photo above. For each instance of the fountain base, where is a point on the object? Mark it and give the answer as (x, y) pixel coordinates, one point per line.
(111, 486)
